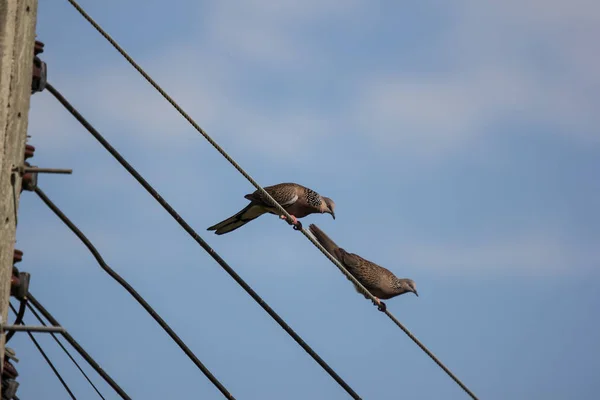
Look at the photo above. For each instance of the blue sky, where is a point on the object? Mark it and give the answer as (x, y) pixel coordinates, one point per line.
(459, 141)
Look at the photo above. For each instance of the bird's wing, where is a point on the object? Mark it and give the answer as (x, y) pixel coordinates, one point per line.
(350, 260)
(285, 194)
(372, 276)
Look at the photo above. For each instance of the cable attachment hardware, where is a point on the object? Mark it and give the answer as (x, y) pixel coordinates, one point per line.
(29, 174)
(30, 328)
(38, 48)
(40, 69)
(10, 354)
(19, 287)
(19, 284)
(8, 370)
(32, 168)
(17, 256)
(29, 151)
(29, 180)
(9, 373)
(9, 389)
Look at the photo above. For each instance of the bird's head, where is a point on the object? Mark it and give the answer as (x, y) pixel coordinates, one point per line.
(328, 206)
(405, 286)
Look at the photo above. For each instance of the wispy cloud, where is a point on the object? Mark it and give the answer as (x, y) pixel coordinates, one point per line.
(531, 62)
(510, 61)
(274, 34)
(525, 254)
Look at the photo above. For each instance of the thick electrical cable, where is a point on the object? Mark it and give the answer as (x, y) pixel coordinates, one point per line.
(199, 239)
(48, 361)
(121, 281)
(33, 302)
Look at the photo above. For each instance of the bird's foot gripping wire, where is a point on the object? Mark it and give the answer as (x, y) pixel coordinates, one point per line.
(297, 224)
(380, 305)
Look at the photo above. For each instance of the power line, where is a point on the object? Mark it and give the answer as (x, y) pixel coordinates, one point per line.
(41, 321)
(263, 192)
(18, 318)
(33, 301)
(199, 240)
(113, 274)
(43, 353)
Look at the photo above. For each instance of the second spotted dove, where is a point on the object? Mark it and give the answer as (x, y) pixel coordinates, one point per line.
(381, 282)
(297, 200)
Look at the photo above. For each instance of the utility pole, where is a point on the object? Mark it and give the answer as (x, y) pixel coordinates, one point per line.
(17, 37)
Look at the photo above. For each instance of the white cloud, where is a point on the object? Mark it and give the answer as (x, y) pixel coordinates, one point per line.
(492, 66)
(528, 253)
(128, 100)
(532, 59)
(272, 33)
(438, 115)
(548, 47)
(205, 91)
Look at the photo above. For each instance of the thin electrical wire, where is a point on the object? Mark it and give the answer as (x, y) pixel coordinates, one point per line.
(18, 319)
(67, 352)
(264, 193)
(199, 240)
(43, 353)
(113, 274)
(33, 302)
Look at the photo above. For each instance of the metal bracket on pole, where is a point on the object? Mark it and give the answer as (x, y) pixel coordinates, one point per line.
(31, 328)
(27, 169)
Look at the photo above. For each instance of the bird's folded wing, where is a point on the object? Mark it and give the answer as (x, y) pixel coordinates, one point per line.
(288, 201)
(350, 260)
(284, 196)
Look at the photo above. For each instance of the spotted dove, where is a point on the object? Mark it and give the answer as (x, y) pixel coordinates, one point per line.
(381, 282)
(297, 200)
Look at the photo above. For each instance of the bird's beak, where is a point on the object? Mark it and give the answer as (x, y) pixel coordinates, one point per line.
(415, 292)
(332, 214)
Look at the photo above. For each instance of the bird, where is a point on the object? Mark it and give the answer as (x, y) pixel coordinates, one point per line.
(381, 282)
(297, 200)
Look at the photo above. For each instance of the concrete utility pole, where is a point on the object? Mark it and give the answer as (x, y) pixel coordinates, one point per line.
(17, 37)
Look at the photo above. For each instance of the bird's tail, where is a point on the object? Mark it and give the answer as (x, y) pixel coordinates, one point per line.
(325, 240)
(250, 212)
